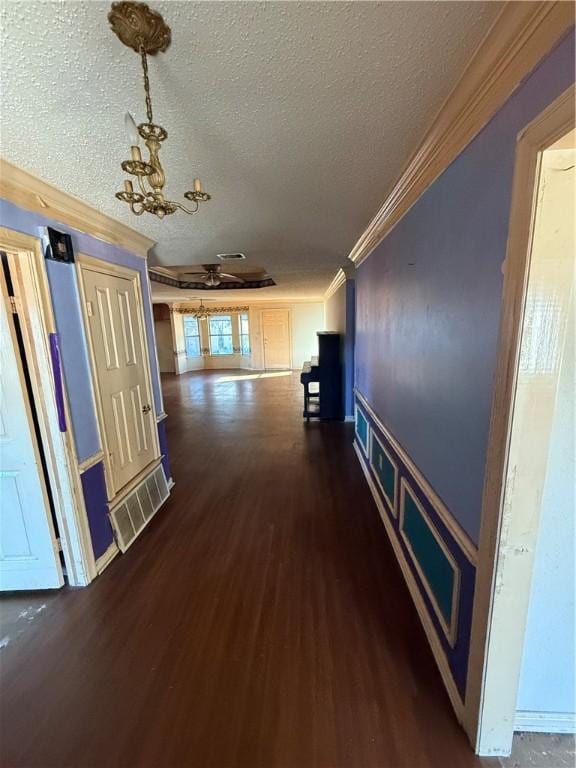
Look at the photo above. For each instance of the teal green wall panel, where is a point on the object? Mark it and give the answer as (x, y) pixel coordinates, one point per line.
(431, 557)
(362, 428)
(384, 470)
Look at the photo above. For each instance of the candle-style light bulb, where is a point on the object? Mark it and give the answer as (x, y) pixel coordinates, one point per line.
(197, 185)
(131, 130)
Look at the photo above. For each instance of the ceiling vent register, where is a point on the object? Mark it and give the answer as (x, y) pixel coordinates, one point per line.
(230, 256)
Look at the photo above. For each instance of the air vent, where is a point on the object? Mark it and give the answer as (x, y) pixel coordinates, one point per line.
(231, 256)
(131, 516)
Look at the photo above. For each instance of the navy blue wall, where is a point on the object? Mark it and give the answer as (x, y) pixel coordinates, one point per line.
(340, 312)
(428, 303)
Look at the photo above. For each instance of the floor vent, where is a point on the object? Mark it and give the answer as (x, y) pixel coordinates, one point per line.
(130, 517)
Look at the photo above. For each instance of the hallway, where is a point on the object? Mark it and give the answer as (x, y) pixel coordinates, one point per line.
(261, 621)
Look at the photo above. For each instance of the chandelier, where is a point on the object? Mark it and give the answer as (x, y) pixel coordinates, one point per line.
(146, 32)
(201, 312)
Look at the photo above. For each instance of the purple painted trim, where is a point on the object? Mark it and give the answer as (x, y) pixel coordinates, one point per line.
(57, 373)
(457, 656)
(349, 341)
(164, 447)
(94, 491)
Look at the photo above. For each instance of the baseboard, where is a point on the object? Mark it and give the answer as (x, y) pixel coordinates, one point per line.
(433, 641)
(171, 484)
(104, 560)
(545, 722)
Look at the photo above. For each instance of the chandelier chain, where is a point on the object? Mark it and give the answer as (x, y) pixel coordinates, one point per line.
(146, 84)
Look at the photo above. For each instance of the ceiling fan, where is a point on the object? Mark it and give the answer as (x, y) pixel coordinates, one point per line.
(212, 276)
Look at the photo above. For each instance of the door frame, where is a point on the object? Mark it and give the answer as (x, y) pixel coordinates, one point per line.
(500, 613)
(90, 263)
(34, 306)
(262, 345)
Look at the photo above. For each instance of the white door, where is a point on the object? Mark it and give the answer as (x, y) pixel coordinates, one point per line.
(121, 370)
(277, 338)
(28, 549)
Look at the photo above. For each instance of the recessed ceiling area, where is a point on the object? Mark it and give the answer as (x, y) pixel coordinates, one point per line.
(297, 116)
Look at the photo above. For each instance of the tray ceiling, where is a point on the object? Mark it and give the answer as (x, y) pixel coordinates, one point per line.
(298, 117)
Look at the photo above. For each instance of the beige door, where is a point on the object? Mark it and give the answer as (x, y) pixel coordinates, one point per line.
(276, 337)
(120, 362)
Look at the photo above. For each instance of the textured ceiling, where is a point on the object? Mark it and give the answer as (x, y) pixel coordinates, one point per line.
(298, 117)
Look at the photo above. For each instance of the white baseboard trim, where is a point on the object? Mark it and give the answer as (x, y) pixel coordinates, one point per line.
(104, 560)
(429, 629)
(171, 484)
(545, 722)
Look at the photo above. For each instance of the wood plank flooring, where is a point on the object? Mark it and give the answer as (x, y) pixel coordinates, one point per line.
(259, 622)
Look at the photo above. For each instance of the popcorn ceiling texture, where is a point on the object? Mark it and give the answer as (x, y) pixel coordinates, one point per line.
(298, 117)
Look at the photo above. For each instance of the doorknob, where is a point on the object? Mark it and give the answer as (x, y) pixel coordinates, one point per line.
(146, 409)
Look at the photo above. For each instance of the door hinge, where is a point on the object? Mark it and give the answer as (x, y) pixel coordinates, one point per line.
(13, 305)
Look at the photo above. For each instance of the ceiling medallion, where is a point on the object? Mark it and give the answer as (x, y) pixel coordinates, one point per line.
(145, 31)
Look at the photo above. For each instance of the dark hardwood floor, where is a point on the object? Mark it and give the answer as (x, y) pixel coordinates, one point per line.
(259, 622)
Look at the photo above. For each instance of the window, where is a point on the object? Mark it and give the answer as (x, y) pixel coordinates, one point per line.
(192, 336)
(220, 330)
(244, 335)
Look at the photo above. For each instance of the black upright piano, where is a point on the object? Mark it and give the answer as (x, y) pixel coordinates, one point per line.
(322, 379)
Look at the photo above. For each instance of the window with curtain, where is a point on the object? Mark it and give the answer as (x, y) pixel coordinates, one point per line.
(244, 335)
(220, 332)
(192, 336)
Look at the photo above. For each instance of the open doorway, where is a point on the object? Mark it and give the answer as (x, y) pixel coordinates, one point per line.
(522, 659)
(29, 549)
(44, 529)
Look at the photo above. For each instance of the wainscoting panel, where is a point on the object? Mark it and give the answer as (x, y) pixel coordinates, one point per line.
(386, 473)
(361, 429)
(432, 560)
(436, 553)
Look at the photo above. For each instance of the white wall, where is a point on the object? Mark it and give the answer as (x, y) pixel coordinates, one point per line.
(307, 320)
(547, 682)
(336, 310)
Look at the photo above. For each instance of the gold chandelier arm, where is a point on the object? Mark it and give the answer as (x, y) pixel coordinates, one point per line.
(142, 186)
(137, 211)
(186, 210)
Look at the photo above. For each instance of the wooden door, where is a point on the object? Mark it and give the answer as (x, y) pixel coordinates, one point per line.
(29, 556)
(121, 372)
(276, 338)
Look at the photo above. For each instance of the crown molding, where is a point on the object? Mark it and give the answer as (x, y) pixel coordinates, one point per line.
(521, 36)
(343, 274)
(339, 279)
(28, 191)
